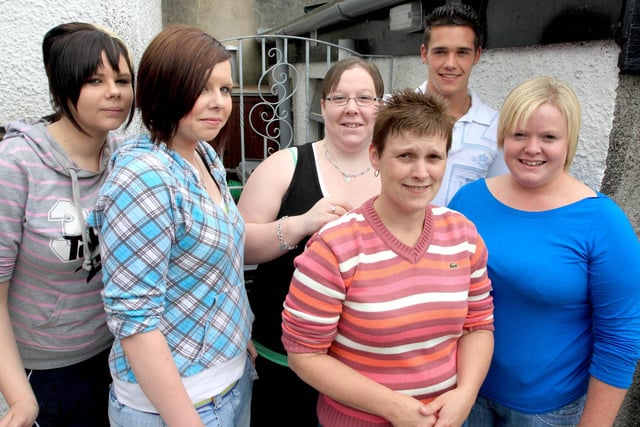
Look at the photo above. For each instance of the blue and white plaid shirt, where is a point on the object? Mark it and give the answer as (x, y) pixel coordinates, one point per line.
(172, 259)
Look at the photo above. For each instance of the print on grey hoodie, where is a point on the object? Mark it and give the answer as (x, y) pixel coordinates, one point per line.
(47, 253)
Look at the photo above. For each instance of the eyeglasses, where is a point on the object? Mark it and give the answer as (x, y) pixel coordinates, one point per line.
(341, 100)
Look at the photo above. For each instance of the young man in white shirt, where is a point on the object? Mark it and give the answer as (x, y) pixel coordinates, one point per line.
(451, 47)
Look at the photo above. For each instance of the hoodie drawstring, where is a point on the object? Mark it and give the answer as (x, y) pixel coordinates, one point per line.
(86, 251)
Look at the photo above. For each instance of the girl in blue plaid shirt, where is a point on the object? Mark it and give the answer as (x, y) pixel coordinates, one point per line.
(172, 249)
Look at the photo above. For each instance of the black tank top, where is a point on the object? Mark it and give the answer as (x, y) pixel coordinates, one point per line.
(271, 279)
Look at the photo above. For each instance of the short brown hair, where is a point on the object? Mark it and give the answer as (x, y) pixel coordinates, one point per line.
(408, 111)
(174, 69)
(336, 71)
(453, 14)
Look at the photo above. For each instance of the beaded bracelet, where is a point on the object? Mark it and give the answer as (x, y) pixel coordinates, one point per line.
(284, 246)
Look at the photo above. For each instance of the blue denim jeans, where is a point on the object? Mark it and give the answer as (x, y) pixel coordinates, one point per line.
(230, 410)
(486, 413)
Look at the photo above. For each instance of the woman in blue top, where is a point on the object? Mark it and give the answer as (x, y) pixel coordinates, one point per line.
(564, 262)
(172, 249)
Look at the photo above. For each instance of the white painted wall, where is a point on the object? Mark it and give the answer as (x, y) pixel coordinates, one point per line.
(23, 24)
(589, 67)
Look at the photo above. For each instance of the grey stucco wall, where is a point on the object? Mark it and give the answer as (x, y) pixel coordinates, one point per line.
(629, 415)
(622, 182)
(622, 174)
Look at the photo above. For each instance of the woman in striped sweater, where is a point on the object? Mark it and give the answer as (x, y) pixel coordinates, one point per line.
(389, 313)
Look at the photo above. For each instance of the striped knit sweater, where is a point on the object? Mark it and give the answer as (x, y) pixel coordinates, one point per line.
(391, 312)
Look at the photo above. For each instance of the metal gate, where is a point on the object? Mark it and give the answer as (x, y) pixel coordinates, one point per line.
(279, 79)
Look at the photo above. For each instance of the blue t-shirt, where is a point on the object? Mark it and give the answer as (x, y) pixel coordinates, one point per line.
(566, 295)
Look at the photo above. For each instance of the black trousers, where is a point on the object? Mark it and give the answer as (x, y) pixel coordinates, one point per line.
(281, 397)
(73, 396)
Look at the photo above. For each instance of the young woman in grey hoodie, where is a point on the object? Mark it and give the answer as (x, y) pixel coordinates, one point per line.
(53, 334)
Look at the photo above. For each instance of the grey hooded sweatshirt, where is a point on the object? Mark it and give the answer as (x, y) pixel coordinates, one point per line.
(47, 254)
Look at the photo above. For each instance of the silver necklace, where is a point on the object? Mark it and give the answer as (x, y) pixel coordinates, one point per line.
(347, 176)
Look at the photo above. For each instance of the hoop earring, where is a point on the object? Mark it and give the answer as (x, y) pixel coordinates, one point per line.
(376, 173)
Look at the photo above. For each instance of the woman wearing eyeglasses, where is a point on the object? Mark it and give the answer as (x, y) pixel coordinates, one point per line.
(287, 198)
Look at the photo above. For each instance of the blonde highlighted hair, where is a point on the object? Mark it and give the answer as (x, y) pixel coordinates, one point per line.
(525, 98)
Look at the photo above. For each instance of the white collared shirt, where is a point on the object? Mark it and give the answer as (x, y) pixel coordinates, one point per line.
(474, 150)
